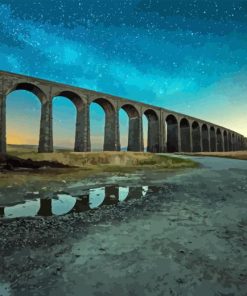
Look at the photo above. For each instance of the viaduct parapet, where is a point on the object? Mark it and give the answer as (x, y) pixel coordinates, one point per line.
(168, 131)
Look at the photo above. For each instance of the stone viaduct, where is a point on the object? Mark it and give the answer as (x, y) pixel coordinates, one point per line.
(168, 131)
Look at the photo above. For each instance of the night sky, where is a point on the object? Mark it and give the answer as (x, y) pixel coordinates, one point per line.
(188, 56)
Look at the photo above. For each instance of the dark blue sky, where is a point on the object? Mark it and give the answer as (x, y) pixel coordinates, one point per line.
(189, 56)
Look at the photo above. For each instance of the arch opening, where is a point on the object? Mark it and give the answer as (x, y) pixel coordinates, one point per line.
(185, 135)
(205, 138)
(110, 124)
(25, 108)
(29, 87)
(172, 133)
(153, 131)
(219, 140)
(134, 127)
(64, 126)
(196, 137)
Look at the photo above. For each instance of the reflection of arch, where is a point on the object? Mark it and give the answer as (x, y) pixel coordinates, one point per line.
(63, 204)
(123, 193)
(29, 87)
(185, 135)
(225, 141)
(135, 126)
(205, 139)
(212, 139)
(196, 137)
(111, 143)
(172, 133)
(134, 192)
(219, 140)
(153, 131)
(81, 204)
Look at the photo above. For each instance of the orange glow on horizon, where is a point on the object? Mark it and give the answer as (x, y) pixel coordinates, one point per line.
(21, 138)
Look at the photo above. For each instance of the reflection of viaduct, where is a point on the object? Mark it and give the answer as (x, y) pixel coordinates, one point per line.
(82, 204)
(167, 130)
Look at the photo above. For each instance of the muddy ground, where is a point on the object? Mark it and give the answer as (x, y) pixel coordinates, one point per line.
(187, 236)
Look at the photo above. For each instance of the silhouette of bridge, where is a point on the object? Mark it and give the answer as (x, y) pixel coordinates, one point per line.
(168, 131)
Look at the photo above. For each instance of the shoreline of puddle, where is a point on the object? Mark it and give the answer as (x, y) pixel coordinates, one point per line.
(63, 203)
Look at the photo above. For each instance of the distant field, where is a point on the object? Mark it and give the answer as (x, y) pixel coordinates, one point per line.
(232, 154)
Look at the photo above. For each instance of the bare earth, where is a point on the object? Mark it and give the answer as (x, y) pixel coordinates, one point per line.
(187, 239)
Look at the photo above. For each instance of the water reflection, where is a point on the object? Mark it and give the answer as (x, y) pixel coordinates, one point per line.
(62, 204)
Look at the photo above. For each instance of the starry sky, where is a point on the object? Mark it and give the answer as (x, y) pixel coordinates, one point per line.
(185, 55)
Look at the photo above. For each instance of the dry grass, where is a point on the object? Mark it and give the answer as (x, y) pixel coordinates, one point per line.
(232, 154)
(88, 164)
(114, 160)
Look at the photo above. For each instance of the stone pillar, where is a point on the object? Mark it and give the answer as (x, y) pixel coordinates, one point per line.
(162, 133)
(2, 123)
(191, 138)
(223, 142)
(135, 134)
(111, 138)
(200, 135)
(179, 139)
(46, 135)
(141, 133)
(209, 140)
(82, 137)
(153, 135)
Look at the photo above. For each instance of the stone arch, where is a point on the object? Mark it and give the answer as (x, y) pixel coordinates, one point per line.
(212, 139)
(172, 133)
(111, 129)
(76, 99)
(219, 140)
(205, 138)
(196, 137)
(185, 135)
(226, 147)
(38, 95)
(153, 130)
(31, 87)
(134, 128)
(79, 104)
(233, 142)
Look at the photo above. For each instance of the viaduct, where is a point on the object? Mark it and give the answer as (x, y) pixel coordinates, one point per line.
(168, 131)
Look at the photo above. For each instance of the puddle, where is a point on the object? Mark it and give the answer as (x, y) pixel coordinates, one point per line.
(63, 203)
(4, 289)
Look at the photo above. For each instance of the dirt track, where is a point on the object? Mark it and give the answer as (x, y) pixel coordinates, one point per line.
(188, 238)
